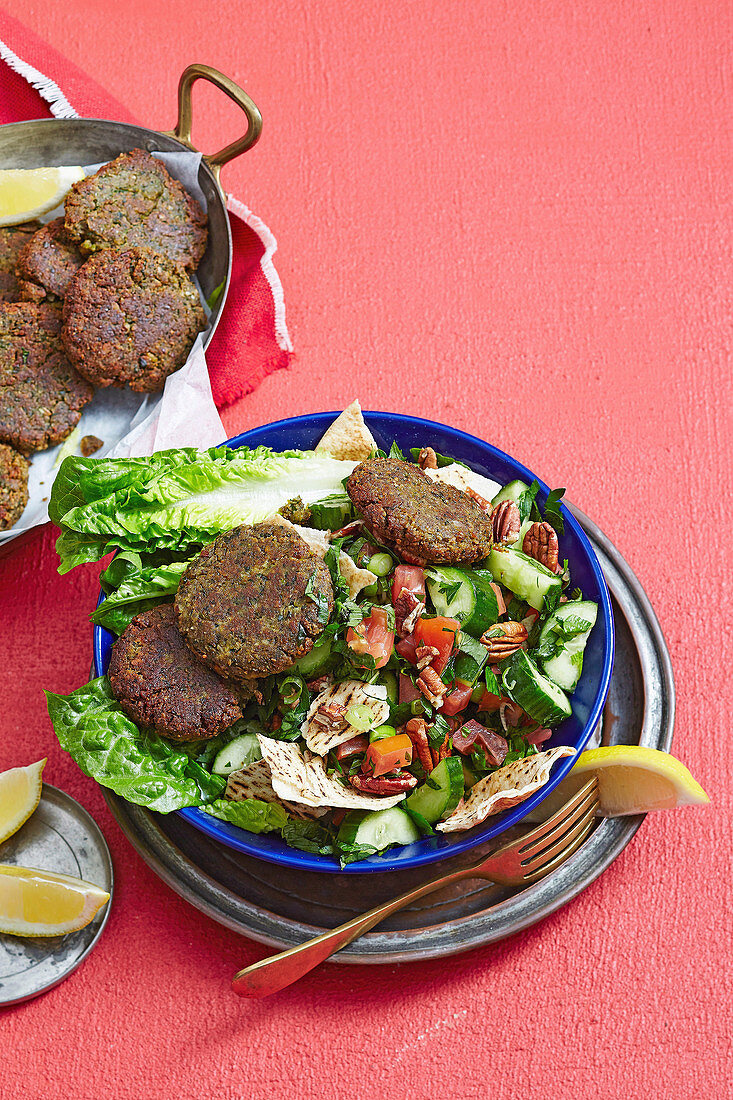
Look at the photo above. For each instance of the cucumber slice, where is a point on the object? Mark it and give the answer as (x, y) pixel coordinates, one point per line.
(240, 752)
(524, 576)
(313, 663)
(560, 655)
(331, 514)
(452, 593)
(441, 792)
(465, 595)
(376, 829)
(535, 693)
(512, 491)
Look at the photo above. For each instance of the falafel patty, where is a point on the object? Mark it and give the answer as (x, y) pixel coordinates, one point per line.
(13, 239)
(130, 317)
(134, 201)
(158, 682)
(13, 486)
(419, 517)
(47, 263)
(254, 601)
(41, 395)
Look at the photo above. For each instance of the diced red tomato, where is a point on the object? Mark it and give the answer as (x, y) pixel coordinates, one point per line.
(373, 636)
(538, 736)
(410, 577)
(473, 735)
(441, 633)
(406, 648)
(500, 598)
(457, 698)
(489, 702)
(388, 754)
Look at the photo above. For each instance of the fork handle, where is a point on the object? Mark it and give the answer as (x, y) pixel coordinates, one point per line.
(278, 971)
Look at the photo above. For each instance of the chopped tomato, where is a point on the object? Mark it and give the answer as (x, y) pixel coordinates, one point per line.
(441, 633)
(489, 702)
(406, 648)
(411, 578)
(500, 598)
(373, 636)
(388, 754)
(406, 689)
(457, 698)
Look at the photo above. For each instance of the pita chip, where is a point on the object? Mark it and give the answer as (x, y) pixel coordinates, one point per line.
(503, 788)
(321, 739)
(348, 437)
(254, 781)
(463, 478)
(305, 781)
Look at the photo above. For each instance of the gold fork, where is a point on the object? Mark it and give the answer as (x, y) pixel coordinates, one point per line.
(519, 863)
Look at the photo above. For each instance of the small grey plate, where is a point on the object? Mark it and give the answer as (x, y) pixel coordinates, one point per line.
(59, 836)
(282, 907)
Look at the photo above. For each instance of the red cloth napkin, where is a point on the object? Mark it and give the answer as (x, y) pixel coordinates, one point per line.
(252, 339)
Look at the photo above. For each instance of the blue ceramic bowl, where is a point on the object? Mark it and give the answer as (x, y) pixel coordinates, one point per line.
(587, 702)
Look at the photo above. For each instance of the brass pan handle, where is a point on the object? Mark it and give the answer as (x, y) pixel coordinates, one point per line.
(182, 131)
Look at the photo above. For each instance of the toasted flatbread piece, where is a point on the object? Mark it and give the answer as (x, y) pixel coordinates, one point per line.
(348, 437)
(254, 781)
(463, 478)
(321, 739)
(318, 542)
(305, 781)
(503, 788)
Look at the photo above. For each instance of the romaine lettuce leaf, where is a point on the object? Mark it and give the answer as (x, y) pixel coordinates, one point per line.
(139, 766)
(250, 814)
(182, 499)
(139, 590)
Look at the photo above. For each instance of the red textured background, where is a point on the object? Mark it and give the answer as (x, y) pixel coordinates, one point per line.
(514, 217)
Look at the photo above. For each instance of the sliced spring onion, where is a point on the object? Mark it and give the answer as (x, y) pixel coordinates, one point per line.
(381, 732)
(360, 716)
(380, 564)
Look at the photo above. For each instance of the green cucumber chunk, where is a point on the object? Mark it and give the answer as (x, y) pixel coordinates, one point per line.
(536, 694)
(562, 642)
(466, 595)
(314, 662)
(240, 752)
(376, 829)
(441, 792)
(512, 491)
(524, 576)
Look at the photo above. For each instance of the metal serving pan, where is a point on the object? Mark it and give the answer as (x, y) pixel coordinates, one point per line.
(48, 142)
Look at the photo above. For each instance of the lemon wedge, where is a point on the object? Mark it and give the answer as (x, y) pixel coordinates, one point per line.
(631, 780)
(42, 903)
(25, 193)
(20, 793)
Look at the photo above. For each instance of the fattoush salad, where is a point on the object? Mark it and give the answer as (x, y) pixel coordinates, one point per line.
(346, 647)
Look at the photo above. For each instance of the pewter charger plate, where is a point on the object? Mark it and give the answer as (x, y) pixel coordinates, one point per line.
(282, 907)
(58, 836)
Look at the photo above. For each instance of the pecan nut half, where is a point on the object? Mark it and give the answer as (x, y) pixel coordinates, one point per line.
(427, 459)
(417, 730)
(332, 716)
(383, 784)
(431, 686)
(407, 610)
(505, 522)
(540, 543)
(503, 639)
(425, 654)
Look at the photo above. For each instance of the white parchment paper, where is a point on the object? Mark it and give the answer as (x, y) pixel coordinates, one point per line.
(184, 415)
